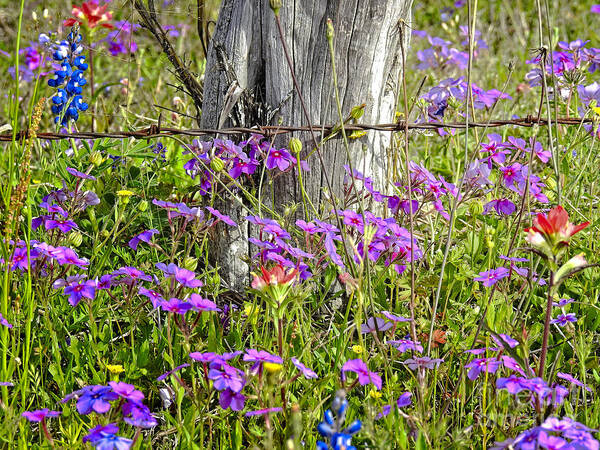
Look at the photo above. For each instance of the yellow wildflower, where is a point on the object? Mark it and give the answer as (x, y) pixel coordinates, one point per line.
(115, 368)
(357, 349)
(272, 367)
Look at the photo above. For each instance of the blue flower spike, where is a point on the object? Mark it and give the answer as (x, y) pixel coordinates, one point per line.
(332, 426)
(69, 78)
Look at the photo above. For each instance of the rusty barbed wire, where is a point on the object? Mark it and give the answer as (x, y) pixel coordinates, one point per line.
(155, 131)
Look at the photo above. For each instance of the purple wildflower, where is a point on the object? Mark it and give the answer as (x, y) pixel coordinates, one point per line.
(563, 319)
(512, 343)
(510, 363)
(404, 345)
(127, 391)
(262, 412)
(97, 432)
(422, 362)
(375, 324)
(40, 414)
(307, 227)
(95, 398)
(202, 304)
(172, 371)
(538, 386)
(280, 158)
(4, 322)
(513, 258)
(496, 148)
(492, 276)
(77, 174)
(20, 260)
(543, 155)
(353, 219)
(259, 357)
(76, 287)
(513, 384)
(551, 442)
(206, 357)
(129, 275)
(528, 439)
(511, 175)
(403, 400)
(155, 297)
(332, 251)
(138, 415)
(222, 217)
(359, 367)
(183, 276)
(66, 255)
(240, 166)
(227, 378)
(64, 225)
(144, 236)
(229, 398)
(307, 372)
(105, 282)
(503, 207)
(394, 318)
(489, 365)
(111, 441)
(563, 302)
(571, 379)
(176, 306)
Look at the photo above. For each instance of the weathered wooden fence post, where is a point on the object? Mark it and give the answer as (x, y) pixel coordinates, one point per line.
(246, 49)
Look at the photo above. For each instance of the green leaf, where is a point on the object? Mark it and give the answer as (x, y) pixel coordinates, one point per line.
(421, 443)
(143, 357)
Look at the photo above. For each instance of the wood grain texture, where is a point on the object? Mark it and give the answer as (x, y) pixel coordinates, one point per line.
(368, 63)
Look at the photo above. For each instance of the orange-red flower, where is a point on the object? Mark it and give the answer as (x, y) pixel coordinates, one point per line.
(277, 276)
(552, 232)
(90, 14)
(556, 224)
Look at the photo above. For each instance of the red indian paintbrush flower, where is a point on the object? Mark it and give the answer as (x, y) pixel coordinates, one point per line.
(276, 276)
(552, 233)
(90, 14)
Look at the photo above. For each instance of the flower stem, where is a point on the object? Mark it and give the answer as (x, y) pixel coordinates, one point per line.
(280, 335)
(47, 433)
(546, 326)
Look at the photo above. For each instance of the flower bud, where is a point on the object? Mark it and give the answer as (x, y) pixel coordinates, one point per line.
(567, 269)
(142, 206)
(217, 164)
(96, 158)
(190, 263)
(330, 32)
(476, 208)
(295, 146)
(275, 5)
(75, 239)
(357, 112)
